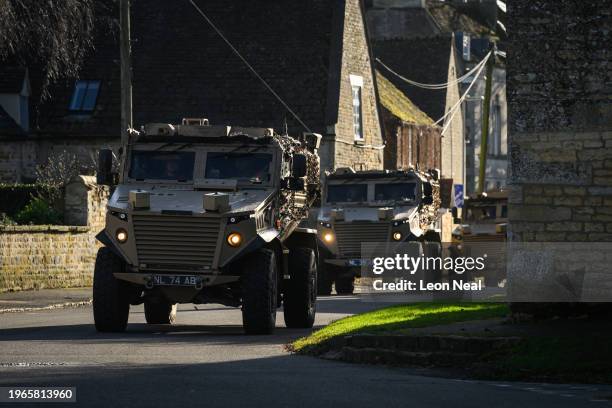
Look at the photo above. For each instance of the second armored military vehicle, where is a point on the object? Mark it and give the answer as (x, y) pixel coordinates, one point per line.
(209, 214)
(373, 206)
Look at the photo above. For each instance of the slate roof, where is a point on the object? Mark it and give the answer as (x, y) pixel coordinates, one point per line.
(11, 80)
(396, 102)
(181, 68)
(423, 60)
(8, 126)
(395, 23)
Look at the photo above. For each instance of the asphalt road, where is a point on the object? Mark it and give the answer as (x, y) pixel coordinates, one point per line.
(205, 360)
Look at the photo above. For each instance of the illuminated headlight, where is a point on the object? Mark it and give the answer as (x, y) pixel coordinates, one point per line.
(397, 236)
(121, 235)
(234, 239)
(328, 237)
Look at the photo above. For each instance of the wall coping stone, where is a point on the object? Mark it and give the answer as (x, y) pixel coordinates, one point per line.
(20, 229)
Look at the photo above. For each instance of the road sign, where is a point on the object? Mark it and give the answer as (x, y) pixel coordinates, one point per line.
(459, 195)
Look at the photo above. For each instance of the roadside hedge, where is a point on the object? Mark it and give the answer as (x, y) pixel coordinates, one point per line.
(15, 197)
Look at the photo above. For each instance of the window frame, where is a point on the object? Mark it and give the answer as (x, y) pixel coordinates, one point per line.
(77, 105)
(357, 108)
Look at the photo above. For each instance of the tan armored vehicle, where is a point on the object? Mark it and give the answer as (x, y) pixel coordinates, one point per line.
(209, 214)
(375, 207)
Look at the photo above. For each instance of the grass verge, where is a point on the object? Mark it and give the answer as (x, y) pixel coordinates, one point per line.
(398, 318)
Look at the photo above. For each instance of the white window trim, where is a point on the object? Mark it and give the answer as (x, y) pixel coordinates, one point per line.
(356, 80)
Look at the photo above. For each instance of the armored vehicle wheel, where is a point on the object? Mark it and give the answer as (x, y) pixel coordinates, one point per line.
(259, 300)
(160, 311)
(345, 285)
(324, 278)
(300, 297)
(111, 297)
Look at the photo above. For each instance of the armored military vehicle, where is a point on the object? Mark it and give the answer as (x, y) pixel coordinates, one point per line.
(373, 206)
(208, 214)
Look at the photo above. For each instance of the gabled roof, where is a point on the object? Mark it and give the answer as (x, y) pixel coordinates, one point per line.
(424, 60)
(11, 80)
(450, 19)
(395, 23)
(396, 102)
(181, 68)
(8, 126)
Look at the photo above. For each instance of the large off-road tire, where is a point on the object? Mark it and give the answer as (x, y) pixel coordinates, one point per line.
(300, 297)
(111, 297)
(259, 297)
(160, 311)
(345, 285)
(324, 278)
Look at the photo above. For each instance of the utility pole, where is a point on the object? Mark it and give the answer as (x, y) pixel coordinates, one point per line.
(486, 111)
(126, 71)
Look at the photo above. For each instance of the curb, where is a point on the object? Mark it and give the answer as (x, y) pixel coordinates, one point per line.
(64, 305)
(411, 350)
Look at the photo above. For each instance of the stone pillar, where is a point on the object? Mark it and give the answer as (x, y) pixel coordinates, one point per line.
(85, 202)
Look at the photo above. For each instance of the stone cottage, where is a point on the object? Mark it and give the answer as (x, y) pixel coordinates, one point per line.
(408, 39)
(314, 53)
(412, 139)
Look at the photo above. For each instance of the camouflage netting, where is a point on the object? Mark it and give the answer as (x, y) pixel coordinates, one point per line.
(429, 213)
(295, 204)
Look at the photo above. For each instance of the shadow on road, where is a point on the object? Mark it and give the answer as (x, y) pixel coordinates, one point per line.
(145, 333)
(279, 381)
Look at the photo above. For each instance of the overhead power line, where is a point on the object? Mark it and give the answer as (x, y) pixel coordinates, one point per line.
(433, 86)
(453, 111)
(249, 66)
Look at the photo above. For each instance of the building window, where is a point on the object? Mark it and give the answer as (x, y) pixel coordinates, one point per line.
(357, 119)
(85, 96)
(495, 143)
(357, 86)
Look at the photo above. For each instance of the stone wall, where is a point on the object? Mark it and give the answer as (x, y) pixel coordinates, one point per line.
(560, 93)
(355, 61)
(37, 257)
(453, 142)
(19, 158)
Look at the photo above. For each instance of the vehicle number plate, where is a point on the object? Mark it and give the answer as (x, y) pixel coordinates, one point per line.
(176, 280)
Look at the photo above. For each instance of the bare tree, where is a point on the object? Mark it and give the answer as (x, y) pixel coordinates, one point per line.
(55, 35)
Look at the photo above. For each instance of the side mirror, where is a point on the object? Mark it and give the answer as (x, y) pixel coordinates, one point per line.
(104, 175)
(294, 184)
(298, 165)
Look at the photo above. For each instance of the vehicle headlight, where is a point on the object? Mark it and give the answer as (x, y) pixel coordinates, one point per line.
(328, 237)
(234, 239)
(397, 236)
(121, 235)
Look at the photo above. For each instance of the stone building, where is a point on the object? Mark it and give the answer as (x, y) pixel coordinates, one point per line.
(412, 139)
(408, 39)
(561, 121)
(496, 169)
(560, 131)
(314, 53)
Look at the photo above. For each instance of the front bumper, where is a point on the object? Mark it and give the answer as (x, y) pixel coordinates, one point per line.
(147, 279)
